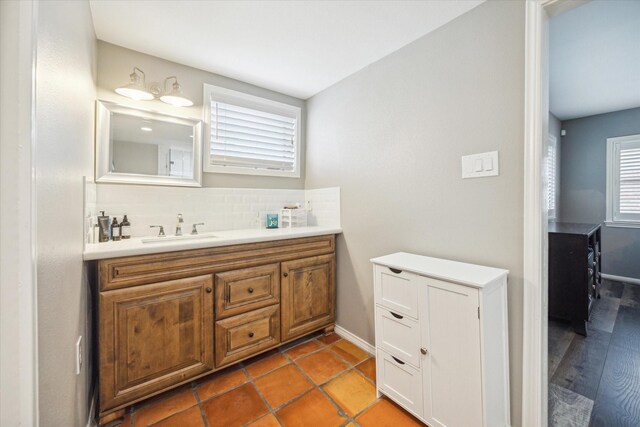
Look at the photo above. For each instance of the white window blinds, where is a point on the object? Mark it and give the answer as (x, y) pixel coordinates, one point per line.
(629, 191)
(623, 176)
(552, 162)
(251, 135)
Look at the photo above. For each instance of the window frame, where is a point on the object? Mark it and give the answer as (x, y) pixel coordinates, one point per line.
(242, 99)
(613, 216)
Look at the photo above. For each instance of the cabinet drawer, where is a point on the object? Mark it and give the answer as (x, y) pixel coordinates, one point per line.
(400, 381)
(397, 290)
(240, 291)
(398, 335)
(240, 336)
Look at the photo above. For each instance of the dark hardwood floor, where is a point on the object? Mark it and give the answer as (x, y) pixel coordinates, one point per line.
(595, 381)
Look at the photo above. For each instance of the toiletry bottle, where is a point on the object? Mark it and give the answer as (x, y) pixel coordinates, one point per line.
(125, 228)
(103, 223)
(115, 230)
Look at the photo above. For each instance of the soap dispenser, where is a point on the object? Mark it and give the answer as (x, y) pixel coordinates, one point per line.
(125, 228)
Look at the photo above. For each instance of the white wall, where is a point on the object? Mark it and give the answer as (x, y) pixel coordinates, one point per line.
(391, 136)
(65, 93)
(115, 63)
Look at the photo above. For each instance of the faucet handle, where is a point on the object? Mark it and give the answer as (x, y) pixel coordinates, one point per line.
(180, 220)
(194, 229)
(161, 232)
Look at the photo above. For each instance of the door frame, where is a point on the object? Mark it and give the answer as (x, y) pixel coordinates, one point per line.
(18, 287)
(535, 262)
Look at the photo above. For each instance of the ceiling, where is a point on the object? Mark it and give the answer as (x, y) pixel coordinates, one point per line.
(595, 59)
(298, 48)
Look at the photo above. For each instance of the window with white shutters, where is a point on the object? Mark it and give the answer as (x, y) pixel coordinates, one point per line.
(552, 178)
(250, 135)
(623, 181)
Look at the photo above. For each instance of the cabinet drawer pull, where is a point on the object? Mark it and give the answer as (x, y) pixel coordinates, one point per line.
(285, 274)
(395, 270)
(250, 334)
(209, 290)
(397, 316)
(250, 290)
(424, 351)
(400, 362)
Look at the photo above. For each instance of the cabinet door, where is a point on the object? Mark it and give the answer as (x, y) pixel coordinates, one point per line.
(308, 295)
(154, 336)
(452, 375)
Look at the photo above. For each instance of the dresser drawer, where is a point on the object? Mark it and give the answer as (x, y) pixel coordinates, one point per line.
(240, 336)
(397, 290)
(246, 289)
(400, 381)
(398, 335)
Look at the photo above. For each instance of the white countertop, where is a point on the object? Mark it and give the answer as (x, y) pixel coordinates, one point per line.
(135, 246)
(460, 272)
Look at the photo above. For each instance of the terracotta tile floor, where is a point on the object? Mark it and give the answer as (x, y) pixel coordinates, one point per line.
(320, 381)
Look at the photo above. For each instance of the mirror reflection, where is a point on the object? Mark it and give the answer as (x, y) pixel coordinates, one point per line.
(150, 147)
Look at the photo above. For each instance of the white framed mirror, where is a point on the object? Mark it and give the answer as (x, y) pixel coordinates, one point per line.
(136, 146)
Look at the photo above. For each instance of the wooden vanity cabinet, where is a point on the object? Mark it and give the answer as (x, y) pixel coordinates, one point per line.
(166, 319)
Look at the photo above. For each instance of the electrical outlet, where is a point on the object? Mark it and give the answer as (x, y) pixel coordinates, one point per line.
(79, 355)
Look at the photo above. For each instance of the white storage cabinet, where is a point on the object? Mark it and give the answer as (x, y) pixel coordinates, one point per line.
(441, 339)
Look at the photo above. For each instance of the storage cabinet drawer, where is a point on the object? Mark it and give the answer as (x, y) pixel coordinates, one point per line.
(397, 290)
(240, 291)
(398, 335)
(400, 381)
(240, 336)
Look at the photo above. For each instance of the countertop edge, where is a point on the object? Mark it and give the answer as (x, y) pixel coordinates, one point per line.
(97, 253)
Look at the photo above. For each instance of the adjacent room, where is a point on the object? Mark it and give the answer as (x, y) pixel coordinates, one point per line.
(594, 212)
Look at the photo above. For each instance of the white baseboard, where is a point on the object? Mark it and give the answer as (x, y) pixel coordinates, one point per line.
(355, 339)
(91, 420)
(621, 279)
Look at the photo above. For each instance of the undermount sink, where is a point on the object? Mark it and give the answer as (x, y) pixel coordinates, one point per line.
(158, 239)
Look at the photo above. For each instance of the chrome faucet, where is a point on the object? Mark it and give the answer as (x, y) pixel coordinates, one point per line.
(179, 225)
(194, 228)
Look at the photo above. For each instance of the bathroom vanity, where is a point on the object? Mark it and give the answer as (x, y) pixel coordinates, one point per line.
(169, 317)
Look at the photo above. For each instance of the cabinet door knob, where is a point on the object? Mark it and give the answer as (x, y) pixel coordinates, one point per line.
(209, 290)
(250, 290)
(250, 334)
(424, 351)
(285, 274)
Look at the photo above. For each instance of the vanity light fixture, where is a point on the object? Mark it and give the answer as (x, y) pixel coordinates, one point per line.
(138, 90)
(175, 96)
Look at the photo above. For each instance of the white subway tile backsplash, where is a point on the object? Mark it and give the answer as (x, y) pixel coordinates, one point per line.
(218, 208)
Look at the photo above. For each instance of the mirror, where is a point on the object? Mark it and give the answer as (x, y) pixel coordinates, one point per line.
(137, 146)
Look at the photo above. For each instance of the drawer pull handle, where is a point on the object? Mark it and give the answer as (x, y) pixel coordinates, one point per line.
(209, 290)
(250, 334)
(398, 360)
(395, 270)
(250, 290)
(285, 274)
(397, 316)
(424, 351)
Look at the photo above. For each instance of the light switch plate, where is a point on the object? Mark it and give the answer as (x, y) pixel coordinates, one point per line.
(480, 165)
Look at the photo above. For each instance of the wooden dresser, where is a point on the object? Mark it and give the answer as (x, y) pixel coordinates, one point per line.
(574, 272)
(166, 319)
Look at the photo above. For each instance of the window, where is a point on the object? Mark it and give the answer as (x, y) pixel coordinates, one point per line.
(623, 181)
(552, 176)
(250, 135)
